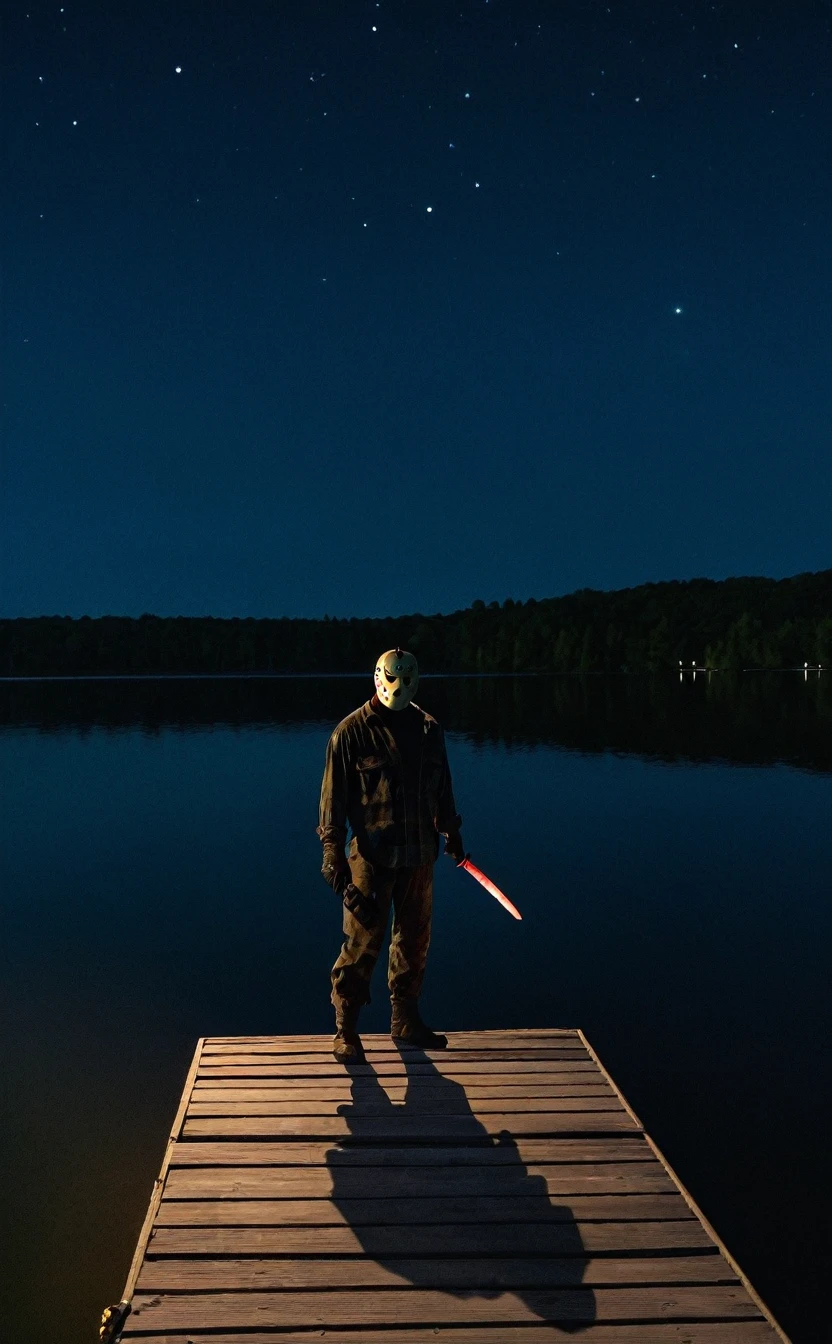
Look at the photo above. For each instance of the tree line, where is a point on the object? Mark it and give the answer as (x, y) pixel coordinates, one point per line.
(728, 624)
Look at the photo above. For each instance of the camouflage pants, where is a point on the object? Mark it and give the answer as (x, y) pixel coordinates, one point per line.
(410, 892)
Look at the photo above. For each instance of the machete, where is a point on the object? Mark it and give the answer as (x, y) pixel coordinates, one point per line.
(489, 886)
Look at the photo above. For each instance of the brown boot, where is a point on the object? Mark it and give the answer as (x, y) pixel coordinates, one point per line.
(346, 1043)
(407, 1026)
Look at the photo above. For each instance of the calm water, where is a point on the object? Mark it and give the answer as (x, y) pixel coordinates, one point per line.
(670, 847)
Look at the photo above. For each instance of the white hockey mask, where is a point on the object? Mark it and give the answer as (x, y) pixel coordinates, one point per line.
(396, 678)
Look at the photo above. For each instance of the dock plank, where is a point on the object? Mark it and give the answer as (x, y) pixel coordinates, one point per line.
(528, 1054)
(454, 1209)
(334, 1309)
(501, 1190)
(293, 1153)
(376, 1046)
(166, 1275)
(428, 1105)
(459, 1070)
(357, 1083)
(696, 1332)
(405, 1126)
(337, 1090)
(417, 1183)
(176, 1235)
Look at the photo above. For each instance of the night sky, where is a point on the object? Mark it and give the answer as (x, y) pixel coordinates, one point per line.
(359, 308)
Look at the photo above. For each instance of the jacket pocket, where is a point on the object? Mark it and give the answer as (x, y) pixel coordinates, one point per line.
(374, 784)
(367, 763)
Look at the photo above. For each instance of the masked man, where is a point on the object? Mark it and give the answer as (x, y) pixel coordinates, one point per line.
(387, 780)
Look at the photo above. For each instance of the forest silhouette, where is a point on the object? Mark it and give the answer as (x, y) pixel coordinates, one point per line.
(729, 624)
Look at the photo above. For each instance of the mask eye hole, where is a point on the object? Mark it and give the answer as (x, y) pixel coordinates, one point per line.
(406, 680)
(388, 676)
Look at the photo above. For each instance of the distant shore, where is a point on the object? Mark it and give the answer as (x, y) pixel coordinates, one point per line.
(362, 676)
(738, 624)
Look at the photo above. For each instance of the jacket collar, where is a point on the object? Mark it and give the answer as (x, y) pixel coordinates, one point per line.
(370, 714)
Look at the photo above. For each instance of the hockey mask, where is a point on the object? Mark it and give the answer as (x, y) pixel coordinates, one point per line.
(396, 678)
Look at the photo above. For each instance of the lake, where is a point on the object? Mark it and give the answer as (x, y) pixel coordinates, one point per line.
(668, 842)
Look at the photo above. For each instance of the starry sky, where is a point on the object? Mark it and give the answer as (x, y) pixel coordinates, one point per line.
(361, 308)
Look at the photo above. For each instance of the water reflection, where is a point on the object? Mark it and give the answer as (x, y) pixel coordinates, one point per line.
(431, 1094)
(160, 859)
(754, 719)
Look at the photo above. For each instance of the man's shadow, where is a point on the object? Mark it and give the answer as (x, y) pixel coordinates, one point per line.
(410, 1210)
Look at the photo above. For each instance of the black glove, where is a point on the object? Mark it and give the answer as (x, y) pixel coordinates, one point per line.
(335, 870)
(454, 847)
(362, 905)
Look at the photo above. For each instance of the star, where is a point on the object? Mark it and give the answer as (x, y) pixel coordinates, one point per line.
(178, 69)
(430, 209)
(678, 310)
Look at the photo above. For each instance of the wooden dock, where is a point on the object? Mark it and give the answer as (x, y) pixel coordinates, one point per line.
(499, 1190)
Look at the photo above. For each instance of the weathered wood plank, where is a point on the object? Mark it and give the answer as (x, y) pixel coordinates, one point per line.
(454, 1209)
(571, 1045)
(406, 1126)
(359, 1090)
(297, 1153)
(373, 1042)
(571, 1049)
(454, 1273)
(171, 1238)
(414, 1106)
(446, 1066)
(574, 1049)
(358, 1084)
(694, 1332)
(383, 1036)
(500, 1188)
(300, 1064)
(607, 1178)
(418, 1306)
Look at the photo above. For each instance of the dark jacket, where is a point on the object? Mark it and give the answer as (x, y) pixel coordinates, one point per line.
(395, 817)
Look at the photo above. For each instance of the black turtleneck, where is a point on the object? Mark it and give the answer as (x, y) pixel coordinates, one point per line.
(407, 727)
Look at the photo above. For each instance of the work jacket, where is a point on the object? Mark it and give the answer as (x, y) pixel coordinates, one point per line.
(395, 818)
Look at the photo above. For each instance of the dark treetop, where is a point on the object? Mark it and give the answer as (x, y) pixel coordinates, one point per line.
(733, 624)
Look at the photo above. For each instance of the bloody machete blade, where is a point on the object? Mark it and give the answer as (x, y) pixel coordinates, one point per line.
(489, 886)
